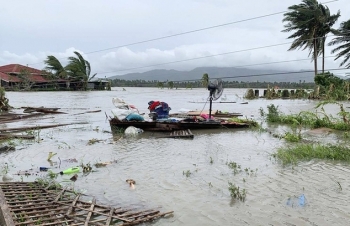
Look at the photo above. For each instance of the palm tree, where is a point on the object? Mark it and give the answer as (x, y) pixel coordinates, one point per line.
(54, 66)
(343, 38)
(310, 22)
(160, 85)
(170, 85)
(327, 22)
(205, 80)
(80, 68)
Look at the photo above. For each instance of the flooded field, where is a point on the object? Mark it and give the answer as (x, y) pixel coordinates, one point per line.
(190, 177)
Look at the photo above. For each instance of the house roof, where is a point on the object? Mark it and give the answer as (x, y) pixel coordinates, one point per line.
(9, 78)
(9, 73)
(37, 78)
(17, 68)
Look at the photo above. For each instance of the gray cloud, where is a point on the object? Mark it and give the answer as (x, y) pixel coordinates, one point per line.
(40, 28)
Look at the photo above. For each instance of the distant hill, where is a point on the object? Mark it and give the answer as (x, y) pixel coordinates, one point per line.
(219, 72)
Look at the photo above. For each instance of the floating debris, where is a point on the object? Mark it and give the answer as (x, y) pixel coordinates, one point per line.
(74, 178)
(104, 164)
(131, 182)
(30, 203)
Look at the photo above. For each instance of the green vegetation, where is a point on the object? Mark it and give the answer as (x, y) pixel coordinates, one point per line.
(290, 155)
(78, 68)
(242, 120)
(311, 22)
(49, 181)
(187, 173)
(205, 80)
(199, 84)
(306, 119)
(4, 102)
(235, 167)
(331, 87)
(250, 94)
(236, 192)
(342, 37)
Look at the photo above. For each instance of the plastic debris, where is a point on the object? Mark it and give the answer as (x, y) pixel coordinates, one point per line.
(74, 178)
(133, 130)
(7, 177)
(296, 201)
(70, 170)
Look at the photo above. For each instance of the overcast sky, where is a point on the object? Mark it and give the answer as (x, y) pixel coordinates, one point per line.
(32, 30)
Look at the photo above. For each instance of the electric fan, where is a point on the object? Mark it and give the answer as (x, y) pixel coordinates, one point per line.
(215, 91)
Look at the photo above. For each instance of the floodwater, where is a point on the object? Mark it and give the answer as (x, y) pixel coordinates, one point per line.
(158, 165)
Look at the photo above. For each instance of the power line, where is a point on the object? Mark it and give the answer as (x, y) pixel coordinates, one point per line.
(188, 32)
(208, 56)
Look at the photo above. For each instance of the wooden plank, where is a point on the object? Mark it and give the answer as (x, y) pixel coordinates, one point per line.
(114, 216)
(71, 208)
(90, 212)
(148, 218)
(59, 195)
(109, 219)
(5, 214)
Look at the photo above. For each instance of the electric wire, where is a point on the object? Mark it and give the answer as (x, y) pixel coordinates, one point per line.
(187, 32)
(208, 56)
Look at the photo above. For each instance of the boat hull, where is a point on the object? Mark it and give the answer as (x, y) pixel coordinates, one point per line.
(120, 126)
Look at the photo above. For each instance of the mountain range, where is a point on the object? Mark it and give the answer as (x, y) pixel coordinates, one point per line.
(226, 73)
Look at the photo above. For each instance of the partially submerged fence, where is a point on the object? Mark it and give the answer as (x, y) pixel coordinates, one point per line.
(29, 203)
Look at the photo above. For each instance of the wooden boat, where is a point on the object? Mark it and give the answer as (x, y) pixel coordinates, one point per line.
(118, 126)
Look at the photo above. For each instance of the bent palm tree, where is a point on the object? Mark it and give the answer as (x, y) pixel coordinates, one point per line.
(310, 25)
(54, 66)
(327, 22)
(343, 38)
(80, 68)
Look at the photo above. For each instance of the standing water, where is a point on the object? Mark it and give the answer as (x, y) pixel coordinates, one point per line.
(190, 177)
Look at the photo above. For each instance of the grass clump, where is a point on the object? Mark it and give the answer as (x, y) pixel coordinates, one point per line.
(250, 122)
(235, 167)
(236, 192)
(306, 152)
(187, 173)
(308, 119)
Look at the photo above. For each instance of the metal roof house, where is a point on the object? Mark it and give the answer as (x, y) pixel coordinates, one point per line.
(16, 76)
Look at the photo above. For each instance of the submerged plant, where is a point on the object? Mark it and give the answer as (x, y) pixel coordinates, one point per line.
(236, 168)
(211, 160)
(308, 119)
(187, 173)
(291, 155)
(236, 192)
(242, 120)
(292, 137)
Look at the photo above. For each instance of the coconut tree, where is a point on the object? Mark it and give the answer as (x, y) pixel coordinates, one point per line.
(80, 68)
(205, 80)
(310, 25)
(55, 67)
(327, 21)
(342, 38)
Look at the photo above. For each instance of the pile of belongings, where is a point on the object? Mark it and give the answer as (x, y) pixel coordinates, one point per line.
(158, 110)
(125, 111)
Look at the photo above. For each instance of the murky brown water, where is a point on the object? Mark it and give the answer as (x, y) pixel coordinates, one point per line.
(157, 165)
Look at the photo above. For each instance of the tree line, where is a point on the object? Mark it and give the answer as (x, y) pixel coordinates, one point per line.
(200, 84)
